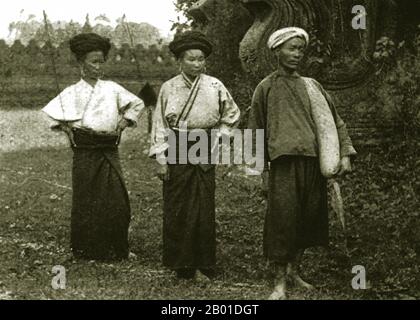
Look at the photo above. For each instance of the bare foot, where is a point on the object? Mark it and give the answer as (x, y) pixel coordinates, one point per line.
(295, 278)
(279, 293)
(298, 281)
(201, 278)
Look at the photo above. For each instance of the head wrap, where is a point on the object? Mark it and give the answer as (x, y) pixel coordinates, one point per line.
(190, 40)
(281, 36)
(84, 43)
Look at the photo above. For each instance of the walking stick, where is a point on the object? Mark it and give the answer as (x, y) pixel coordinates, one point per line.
(66, 126)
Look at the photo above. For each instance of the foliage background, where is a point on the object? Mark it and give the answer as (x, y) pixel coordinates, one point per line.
(369, 109)
(27, 79)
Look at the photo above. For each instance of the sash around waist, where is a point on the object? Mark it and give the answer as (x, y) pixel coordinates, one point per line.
(179, 152)
(88, 139)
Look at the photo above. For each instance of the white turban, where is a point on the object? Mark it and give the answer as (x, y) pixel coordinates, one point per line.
(281, 36)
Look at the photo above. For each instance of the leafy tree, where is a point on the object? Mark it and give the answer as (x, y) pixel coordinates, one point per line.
(35, 58)
(182, 7)
(62, 31)
(24, 30)
(103, 18)
(225, 30)
(5, 66)
(399, 84)
(141, 33)
(103, 30)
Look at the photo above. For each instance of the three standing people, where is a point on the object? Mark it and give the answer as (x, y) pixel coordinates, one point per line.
(297, 213)
(195, 101)
(94, 112)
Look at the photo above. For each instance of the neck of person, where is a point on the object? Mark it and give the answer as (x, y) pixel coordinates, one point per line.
(286, 71)
(190, 76)
(91, 81)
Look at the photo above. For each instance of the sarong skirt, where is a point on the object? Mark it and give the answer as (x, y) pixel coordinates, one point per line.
(101, 210)
(189, 231)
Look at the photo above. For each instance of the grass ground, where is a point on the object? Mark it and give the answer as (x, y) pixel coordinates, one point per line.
(380, 200)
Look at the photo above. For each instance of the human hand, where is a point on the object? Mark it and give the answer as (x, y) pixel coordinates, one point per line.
(68, 131)
(264, 183)
(163, 172)
(122, 124)
(345, 166)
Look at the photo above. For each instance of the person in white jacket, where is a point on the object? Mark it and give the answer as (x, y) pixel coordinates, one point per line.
(93, 112)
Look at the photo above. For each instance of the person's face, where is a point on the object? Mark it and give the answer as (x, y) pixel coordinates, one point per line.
(193, 62)
(92, 65)
(290, 53)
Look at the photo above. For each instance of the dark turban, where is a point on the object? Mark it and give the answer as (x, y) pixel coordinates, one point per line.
(84, 43)
(190, 40)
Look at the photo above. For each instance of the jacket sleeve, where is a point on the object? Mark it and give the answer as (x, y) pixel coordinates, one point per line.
(346, 145)
(159, 126)
(257, 119)
(130, 105)
(229, 112)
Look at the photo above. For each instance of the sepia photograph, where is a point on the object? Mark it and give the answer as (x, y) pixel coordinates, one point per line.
(210, 150)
